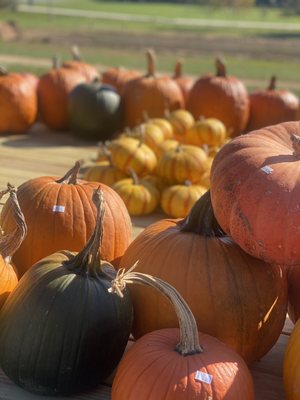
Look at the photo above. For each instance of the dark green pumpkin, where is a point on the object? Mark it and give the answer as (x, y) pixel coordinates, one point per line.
(61, 332)
(95, 111)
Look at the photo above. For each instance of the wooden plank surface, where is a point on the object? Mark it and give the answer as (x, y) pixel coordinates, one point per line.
(41, 152)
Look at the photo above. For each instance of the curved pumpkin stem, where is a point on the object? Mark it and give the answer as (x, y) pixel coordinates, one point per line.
(72, 175)
(134, 176)
(76, 53)
(103, 151)
(56, 62)
(3, 71)
(272, 84)
(189, 336)
(178, 70)
(296, 145)
(151, 63)
(201, 219)
(10, 243)
(221, 69)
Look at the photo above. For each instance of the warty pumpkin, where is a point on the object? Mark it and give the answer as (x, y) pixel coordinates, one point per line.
(150, 93)
(215, 277)
(272, 106)
(61, 332)
(255, 190)
(177, 364)
(223, 97)
(59, 213)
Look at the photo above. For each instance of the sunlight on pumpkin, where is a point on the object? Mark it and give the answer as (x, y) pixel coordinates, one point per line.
(266, 317)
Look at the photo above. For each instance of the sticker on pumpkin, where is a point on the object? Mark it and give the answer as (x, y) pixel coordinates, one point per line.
(203, 377)
(57, 208)
(267, 169)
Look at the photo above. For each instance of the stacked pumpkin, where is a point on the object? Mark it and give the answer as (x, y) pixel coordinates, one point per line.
(164, 161)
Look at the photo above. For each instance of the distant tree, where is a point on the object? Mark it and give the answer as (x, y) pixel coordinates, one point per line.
(232, 3)
(12, 4)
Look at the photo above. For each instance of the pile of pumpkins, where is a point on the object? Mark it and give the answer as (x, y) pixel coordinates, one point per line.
(230, 269)
(162, 162)
(98, 106)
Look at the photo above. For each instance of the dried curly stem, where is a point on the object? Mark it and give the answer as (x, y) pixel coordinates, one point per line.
(72, 175)
(295, 139)
(221, 69)
(76, 53)
(189, 336)
(10, 242)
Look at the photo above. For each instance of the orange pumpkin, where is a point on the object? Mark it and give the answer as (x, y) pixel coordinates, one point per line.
(223, 97)
(215, 277)
(178, 364)
(118, 76)
(18, 102)
(87, 70)
(60, 214)
(139, 93)
(184, 82)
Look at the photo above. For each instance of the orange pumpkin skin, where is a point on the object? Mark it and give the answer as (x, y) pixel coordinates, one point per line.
(161, 373)
(293, 279)
(255, 190)
(53, 90)
(51, 227)
(89, 72)
(18, 103)
(222, 97)
(117, 77)
(272, 106)
(217, 280)
(8, 280)
(139, 94)
(184, 82)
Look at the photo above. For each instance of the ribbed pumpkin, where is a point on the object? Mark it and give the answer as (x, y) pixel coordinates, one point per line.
(185, 162)
(53, 91)
(140, 196)
(166, 145)
(139, 95)
(61, 332)
(164, 125)
(87, 70)
(206, 131)
(177, 200)
(215, 277)
(127, 152)
(178, 364)
(181, 121)
(8, 246)
(272, 106)
(184, 82)
(291, 366)
(151, 134)
(59, 213)
(223, 97)
(293, 278)
(18, 102)
(255, 188)
(118, 76)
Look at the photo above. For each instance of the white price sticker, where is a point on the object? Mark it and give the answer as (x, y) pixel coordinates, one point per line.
(267, 169)
(203, 377)
(57, 208)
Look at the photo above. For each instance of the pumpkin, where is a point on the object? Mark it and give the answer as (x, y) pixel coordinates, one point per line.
(185, 162)
(53, 91)
(59, 213)
(95, 111)
(18, 102)
(128, 152)
(215, 277)
(223, 97)
(61, 331)
(168, 144)
(164, 125)
(272, 106)
(255, 192)
(151, 134)
(293, 278)
(291, 379)
(177, 200)
(139, 93)
(206, 131)
(117, 77)
(184, 82)
(87, 70)
(181, 121)
(8, 246)
(178, 363)
(140, 196)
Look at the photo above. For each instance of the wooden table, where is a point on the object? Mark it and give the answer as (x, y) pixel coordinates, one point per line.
(41, 152)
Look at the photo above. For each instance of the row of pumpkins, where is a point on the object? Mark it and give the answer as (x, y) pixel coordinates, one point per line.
(162, 162)
(230, 269)
(71, 96)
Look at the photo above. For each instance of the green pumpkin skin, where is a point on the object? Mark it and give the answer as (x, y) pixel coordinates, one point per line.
(62, 332)
(95, 111)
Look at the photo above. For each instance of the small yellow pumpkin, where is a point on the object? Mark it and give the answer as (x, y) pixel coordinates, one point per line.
(166, 145)
(164, 125)
(151, 134)
(210, 131)
(140, 196)
(181, 120)
(177, 200)
(205, 179)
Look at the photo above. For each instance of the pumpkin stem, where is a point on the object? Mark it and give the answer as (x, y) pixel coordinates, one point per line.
(56, 62)
(87, 261)
(151, 63)
(3, 71)
(189, 336)
(296, 145)
(272, 84)
(10, 243)
(201, 219)
(103, 151)
(178, 69)
(76, 53)
(134, 176)
(71, 176)
(221, 69)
